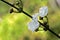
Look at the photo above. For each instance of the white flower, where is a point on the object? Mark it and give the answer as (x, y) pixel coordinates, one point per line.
(43, 11)
(35, 17)
(33, 25)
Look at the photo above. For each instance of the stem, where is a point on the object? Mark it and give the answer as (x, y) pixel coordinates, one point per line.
(27, 14)
(50, 30)
(31, 17)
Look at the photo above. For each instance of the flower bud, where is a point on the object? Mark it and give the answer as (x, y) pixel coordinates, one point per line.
(43, 11)
(35, 17)
(33, 25)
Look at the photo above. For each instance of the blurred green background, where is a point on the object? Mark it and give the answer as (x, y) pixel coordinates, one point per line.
(14, 26)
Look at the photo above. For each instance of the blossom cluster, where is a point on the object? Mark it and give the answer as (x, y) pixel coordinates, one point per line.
(34, 24)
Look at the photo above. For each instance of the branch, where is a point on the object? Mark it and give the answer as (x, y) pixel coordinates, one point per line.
(31, 17)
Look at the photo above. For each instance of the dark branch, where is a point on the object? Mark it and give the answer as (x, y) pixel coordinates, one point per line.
(27, 14)
(31, 17)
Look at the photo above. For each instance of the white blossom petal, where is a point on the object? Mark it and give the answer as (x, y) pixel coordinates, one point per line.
(35, 17)
(43, 11)
(33, 25)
